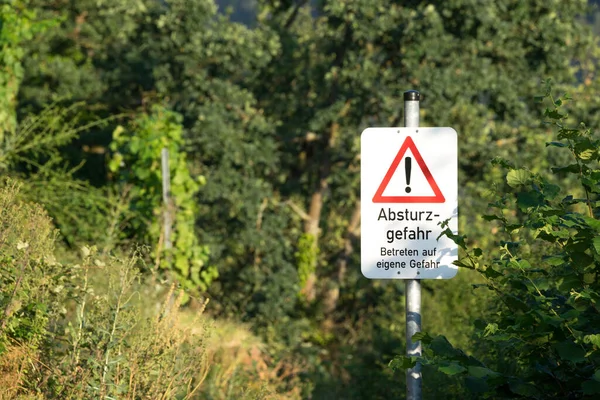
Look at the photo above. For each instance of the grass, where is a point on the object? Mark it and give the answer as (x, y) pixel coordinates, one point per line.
(99, 327)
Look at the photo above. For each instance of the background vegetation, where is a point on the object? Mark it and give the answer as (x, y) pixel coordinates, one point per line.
(261, 106)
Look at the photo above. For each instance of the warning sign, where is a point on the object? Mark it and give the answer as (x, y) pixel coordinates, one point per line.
(408, 144)
(409, 196)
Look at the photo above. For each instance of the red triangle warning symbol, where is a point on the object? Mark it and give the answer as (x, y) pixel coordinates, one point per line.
(437, 197)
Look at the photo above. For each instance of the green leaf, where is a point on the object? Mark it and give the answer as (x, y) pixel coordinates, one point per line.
(517, 177)
(556, 144)
(593, 184)
(567, 133)
(581, 259)
(476, 385)
(515, 302)
(561, 233)
(491, 273)
(596, 243)
(551, 191)
(590, 387)
(451, 368)
(586, 154)
(554, 260)
(513, 227)
(464, 263)
(402, 363)
(529, 199)
(423, 337)
(573, 168)
(571, 314)
(442, 347)
(493, 217)
(524, 264)
(482, 372)
(554, 114)
(524, 389)
(569, 351)
(592, 222)
(593, 339)
(490, 329)
(502, 162)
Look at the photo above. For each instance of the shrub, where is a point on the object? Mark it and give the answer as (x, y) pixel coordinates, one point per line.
(29, 282)
(137, 163)
(115, 345)
(98, 328)
(65, 334)
(542, 341)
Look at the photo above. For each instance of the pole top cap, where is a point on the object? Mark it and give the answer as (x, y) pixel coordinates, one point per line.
(412, 95)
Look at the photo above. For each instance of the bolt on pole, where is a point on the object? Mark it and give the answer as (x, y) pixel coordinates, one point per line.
(413, 286)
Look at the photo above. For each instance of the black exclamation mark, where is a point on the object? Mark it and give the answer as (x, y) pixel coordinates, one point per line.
(407, 167)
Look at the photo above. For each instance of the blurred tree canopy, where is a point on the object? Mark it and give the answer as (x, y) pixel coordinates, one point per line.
(271, 113)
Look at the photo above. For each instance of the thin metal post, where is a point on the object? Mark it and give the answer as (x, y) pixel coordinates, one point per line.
(166, 190)
(413, 286)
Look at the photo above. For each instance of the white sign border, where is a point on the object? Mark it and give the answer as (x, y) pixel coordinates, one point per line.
(379, 147)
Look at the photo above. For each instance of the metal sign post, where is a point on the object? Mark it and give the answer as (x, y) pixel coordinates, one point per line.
(413, 286)
(409, 195)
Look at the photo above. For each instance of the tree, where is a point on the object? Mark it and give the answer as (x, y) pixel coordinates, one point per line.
(272, 116)
(346, 68)
(13, 30)
(123, 57)
(137, 151)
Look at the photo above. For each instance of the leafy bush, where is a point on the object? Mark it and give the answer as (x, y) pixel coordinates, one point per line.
(26, 240)
(32, 155)
(116, 346)
(16, 26)
(137, 161)
(98, 329)
(542, 340)
(31, 148)
(64, 336)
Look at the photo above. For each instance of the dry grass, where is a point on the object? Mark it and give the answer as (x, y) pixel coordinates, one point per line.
(98, 328)
(14, 364)
(241, 367)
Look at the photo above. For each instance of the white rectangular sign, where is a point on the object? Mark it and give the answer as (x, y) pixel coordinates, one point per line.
(409, 185)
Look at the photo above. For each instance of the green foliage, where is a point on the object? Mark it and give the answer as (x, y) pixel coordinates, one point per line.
(65, 335)
(18, 25)
(542, 340)
(306, 257)
(269, 116)
(15, 27)
(342, 66)
(115, 347)
(31, 154)
(31, 148)
(137, 160)
(26, 243)
(98, 328)
(119, 54)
